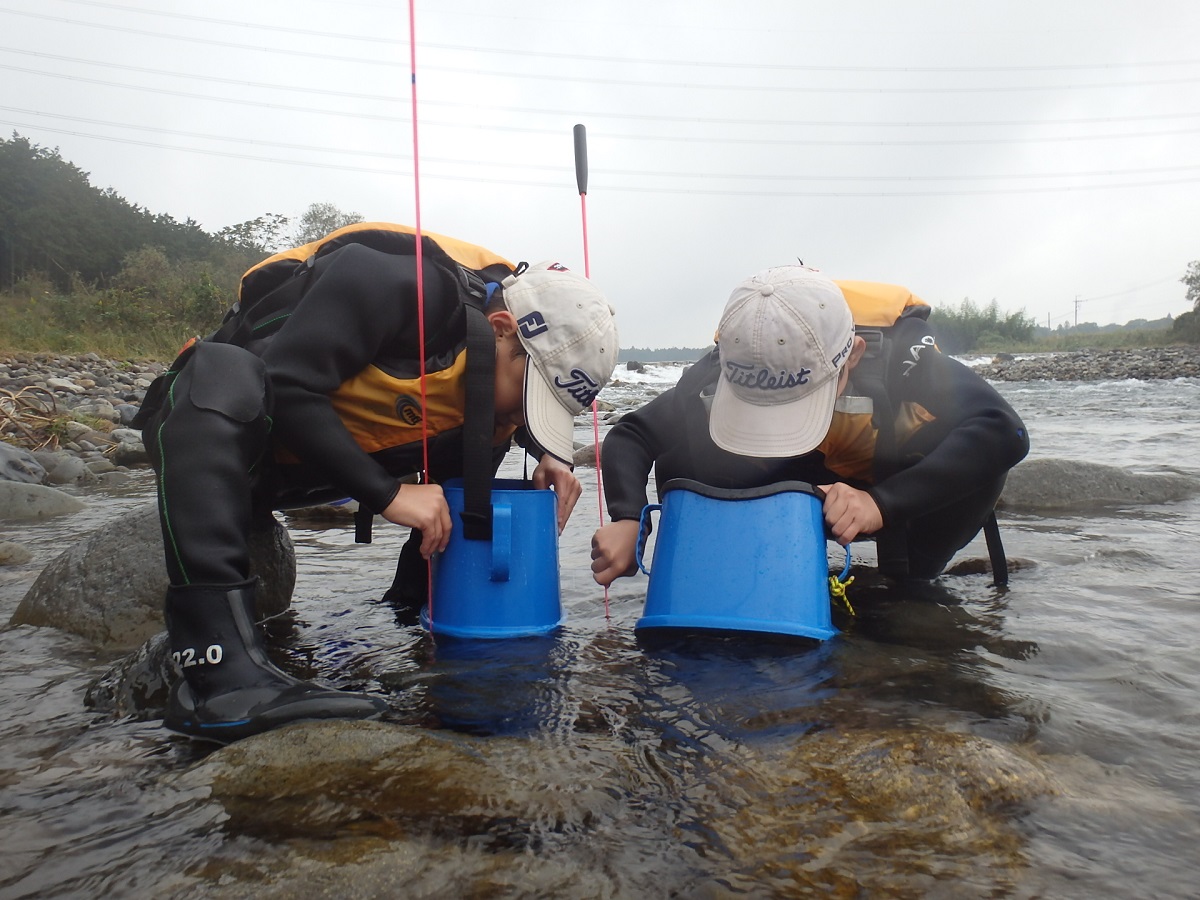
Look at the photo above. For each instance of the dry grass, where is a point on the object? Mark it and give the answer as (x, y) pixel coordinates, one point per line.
(30, 418)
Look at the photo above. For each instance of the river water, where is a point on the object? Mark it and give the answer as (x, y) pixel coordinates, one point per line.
(962, 740)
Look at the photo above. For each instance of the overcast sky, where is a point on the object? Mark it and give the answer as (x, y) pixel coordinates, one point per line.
(1040, 154)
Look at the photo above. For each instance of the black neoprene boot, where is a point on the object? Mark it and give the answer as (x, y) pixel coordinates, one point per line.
(230, 689)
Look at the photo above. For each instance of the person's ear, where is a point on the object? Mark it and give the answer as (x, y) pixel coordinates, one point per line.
(503, 323)
(857, 349)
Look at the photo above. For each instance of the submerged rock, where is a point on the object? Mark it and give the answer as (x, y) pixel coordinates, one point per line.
(1038, 484)
(109, 586)
(394, 781)
(855, 812)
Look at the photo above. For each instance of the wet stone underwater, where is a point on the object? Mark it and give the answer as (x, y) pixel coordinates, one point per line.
(953, 740)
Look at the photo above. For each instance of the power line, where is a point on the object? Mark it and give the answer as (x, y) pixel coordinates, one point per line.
(1079, 301)
(592, 114)
(1176, 277)
(748, 176)
(206, 41)
(544, 77)
(239, 82)
(625, 60)
(710, 139)
(621, 188)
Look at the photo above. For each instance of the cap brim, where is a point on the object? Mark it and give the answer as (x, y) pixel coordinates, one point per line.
(777, 430)
(548, 422)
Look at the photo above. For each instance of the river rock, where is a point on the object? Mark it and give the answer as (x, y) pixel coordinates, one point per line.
(1038, 484)
(136, 685)
(17, 464)
(21, 500)
(109, 586)
(311, 778)
(408, 812)
(824, 815)
(12, 554)
(71, 470)
(584, 457)
(836, 813)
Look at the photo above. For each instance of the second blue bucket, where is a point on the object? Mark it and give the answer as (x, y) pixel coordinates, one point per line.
(740, 560)
(504, 587)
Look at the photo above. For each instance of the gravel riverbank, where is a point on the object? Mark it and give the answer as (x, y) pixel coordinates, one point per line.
(98, 390)
(65, 419)
(1096, 365)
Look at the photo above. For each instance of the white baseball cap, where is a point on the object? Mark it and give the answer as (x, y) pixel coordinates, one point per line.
(568, 329)
(783, 339)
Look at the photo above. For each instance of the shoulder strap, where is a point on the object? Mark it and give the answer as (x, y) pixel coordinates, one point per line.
(479, 424)
(870, 380)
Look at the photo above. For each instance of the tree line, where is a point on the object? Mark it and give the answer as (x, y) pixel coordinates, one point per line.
(81, 263)
(78, 259)
(1187, 326)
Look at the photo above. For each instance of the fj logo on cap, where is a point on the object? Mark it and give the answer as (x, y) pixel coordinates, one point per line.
(532, 324)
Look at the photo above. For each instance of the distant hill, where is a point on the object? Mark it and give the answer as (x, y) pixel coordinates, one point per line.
(665, 354)
(1092, 328)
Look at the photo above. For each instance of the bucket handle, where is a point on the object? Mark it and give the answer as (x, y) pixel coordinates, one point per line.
(501, 540)
(644, 526)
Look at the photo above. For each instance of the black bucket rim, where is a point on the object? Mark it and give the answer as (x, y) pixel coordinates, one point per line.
(748, 493)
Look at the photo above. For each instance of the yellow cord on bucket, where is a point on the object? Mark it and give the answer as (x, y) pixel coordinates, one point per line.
(837, 592)
(839, 583)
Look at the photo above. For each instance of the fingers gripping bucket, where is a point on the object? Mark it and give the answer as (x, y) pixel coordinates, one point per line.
(507, 586)
(739, 560)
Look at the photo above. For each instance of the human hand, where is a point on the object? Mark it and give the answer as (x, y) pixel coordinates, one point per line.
(850, 512)
(614, 551)
(551, 473)
(423, 506)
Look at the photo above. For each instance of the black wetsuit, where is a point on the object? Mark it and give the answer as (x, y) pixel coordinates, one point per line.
(237, 434)
(948, 471)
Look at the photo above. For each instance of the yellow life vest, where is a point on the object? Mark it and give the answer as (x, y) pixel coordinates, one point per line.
(380, 410)
(853, 445)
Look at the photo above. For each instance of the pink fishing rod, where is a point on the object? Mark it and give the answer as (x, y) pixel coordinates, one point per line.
(412, 56)
(581, 179)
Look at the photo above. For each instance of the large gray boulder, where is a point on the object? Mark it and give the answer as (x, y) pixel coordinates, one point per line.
(1041, 484)
(26, 500)
(108, 587)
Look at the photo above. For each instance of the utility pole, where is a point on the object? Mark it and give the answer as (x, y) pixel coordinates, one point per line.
(1076, 310)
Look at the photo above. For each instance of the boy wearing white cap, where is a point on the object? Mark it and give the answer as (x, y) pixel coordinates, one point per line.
(315, 388)
(775, 401)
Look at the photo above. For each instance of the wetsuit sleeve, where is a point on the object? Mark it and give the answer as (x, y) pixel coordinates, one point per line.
(362, 303)
(630, 449)
(976, 437)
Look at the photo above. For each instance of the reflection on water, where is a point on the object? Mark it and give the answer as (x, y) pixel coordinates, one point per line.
(955, 739)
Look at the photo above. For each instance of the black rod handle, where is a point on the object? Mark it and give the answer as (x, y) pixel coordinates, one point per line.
(581, 167)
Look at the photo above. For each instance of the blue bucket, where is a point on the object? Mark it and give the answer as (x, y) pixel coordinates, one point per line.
(739, 560)
(504, 587)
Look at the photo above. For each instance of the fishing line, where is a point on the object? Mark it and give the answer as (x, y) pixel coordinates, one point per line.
(412, 50)
(581, 178)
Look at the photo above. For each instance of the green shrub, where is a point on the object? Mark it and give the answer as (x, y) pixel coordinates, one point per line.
(1187, 328)
(968, 327)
